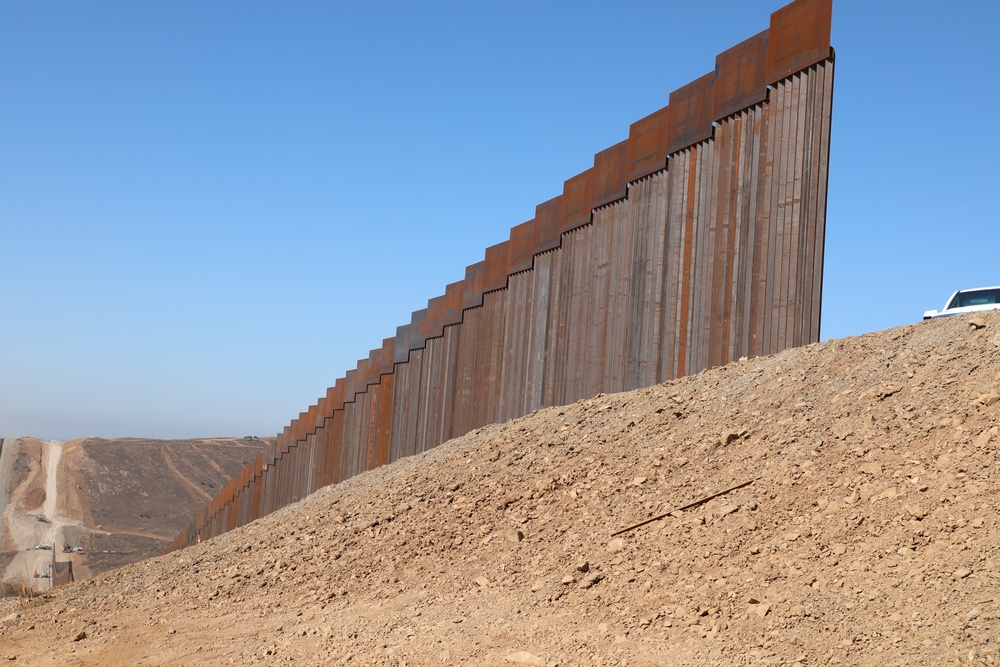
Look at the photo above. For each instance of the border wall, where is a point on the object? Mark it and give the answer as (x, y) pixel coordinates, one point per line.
(694, 242)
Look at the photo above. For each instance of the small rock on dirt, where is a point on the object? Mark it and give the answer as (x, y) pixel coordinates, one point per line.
(525, 658)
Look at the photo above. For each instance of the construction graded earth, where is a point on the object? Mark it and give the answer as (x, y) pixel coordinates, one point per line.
(111, 502)
(864, 532)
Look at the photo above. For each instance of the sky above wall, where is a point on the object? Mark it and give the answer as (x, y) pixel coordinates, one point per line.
(211, 211)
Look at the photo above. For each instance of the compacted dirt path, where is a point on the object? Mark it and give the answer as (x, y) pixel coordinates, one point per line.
(27, 530)
(865, 531)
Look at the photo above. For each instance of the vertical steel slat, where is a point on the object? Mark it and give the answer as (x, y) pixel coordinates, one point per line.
(399, 406)
(412, 400)
(772, 260)
(819, 212)
(490, 361)
(538, 330)
(555, 337)
(465, 386)
(595, 354)
(656, 219)
(619, 267)
(794, 287)
(452, 346)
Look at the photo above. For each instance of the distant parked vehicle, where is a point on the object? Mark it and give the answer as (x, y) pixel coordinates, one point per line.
(44, 547)
(968, 301)
(41, 519)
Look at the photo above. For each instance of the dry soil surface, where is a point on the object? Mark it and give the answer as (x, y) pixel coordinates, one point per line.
(866, 532)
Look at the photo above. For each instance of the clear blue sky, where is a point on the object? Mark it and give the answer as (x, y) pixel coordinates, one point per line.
(211, 210)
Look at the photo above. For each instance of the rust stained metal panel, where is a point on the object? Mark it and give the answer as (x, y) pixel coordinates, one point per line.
(711, 261)
(411, 403)
(555, 347)
(304, 423)
(496, 268)
(740, 78)
(417, 339)
(522, 247)
(311, 468)
(338, 393)
(577, 200)
(548, 225)
(647, 143)
(362, 375)
(624, 263)
(336, 445)
(374, 366)
(594, 321)
(369, 430)
(822, 165)
(472, 296)
(383, 419)
(453, 294)
(466, 376)
(489, 360)
(761, 237)
(319, 472)
(691, 114)
(321, 412)
(434, 392)
(537, 331)
(356, 417)
(452, 346)
(514, 340)
(352, 440)
(799, 37)
(425, 396)
(402, 344)
(352, 386)
(388, 357)
(610, 174)
(400, 406)
(331, 400)
(301, 424)
(433, 323)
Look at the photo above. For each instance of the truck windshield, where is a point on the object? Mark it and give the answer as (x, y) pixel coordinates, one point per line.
(976, 297)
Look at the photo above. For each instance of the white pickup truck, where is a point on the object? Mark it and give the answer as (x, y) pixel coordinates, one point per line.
(968, 301)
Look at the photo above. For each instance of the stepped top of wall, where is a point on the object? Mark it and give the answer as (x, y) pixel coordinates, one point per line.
(797, 38)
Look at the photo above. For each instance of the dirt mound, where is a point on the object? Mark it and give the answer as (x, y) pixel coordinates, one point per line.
(866, 532)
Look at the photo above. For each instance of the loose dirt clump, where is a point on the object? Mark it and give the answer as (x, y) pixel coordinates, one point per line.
(865, 532)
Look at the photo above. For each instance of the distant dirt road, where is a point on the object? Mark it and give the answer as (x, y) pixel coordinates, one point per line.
(26, 529)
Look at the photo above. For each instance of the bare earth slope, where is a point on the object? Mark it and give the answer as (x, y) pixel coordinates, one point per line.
(868, 534)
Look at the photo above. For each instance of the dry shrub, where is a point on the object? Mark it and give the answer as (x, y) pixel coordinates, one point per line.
(10, 589)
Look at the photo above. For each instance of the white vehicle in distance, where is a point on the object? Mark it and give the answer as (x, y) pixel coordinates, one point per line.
(968, 301)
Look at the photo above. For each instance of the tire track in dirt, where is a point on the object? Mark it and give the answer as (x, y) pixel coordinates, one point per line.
(136, 533)
(211, 462)
(198, 491)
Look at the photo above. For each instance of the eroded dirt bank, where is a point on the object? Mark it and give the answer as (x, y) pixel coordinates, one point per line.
(868, 534)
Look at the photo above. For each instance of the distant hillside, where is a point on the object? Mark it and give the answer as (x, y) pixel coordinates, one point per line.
(119, 500)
